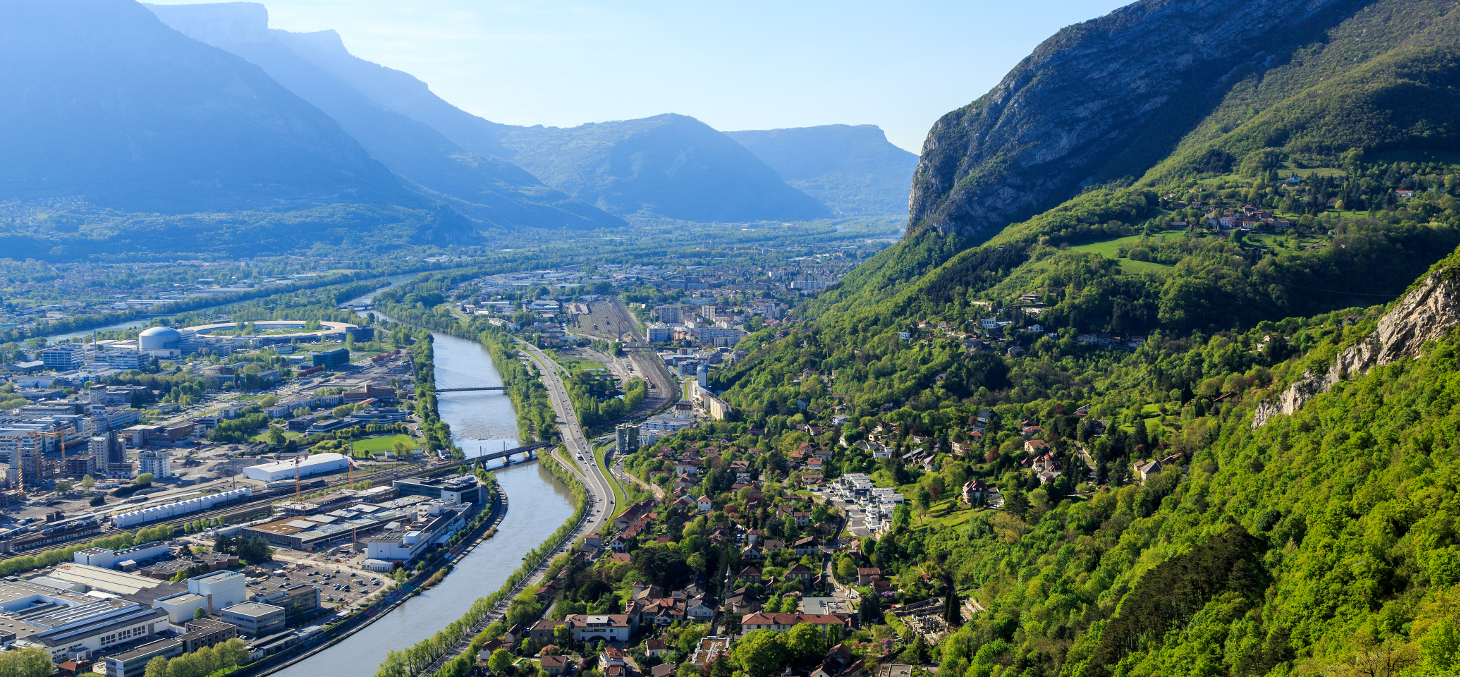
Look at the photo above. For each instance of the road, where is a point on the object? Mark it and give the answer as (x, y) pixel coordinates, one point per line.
(600, 492)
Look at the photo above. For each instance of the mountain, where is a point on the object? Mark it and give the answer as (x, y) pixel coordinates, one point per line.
(105, 102)
(668, 165)
(490, 189)
(1193, 249)
(1108, 99)
(851, 168)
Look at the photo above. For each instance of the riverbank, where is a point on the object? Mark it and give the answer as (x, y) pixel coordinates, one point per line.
(402, 593)
(536, 568)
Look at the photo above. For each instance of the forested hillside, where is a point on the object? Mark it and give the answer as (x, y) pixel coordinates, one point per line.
(1096, 294)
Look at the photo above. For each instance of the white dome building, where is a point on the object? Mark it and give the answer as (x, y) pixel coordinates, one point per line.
(159, 338)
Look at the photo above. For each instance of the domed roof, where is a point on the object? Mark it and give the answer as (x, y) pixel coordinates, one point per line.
(168, 332)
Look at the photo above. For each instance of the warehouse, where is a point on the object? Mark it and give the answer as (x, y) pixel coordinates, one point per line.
(280, 470)
(177, 508)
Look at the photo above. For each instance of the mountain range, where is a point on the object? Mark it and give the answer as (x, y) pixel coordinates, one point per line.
(204, 108)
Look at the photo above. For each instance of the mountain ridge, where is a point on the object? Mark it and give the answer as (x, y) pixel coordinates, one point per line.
(487, 188)
(130, 114)
(853, 169)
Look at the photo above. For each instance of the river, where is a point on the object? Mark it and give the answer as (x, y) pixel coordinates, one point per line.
(538, 504)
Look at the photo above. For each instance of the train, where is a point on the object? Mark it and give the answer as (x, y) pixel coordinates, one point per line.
(41, 535)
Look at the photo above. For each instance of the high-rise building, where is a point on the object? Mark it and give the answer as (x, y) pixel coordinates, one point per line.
(111, 454)
(669, 314)
(628, 439)
(159, 463)
(64, 357)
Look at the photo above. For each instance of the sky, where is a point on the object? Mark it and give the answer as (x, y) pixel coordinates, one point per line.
(737, 65)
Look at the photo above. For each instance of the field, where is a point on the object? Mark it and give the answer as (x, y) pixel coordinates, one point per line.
(1110, 248)
(382, 444)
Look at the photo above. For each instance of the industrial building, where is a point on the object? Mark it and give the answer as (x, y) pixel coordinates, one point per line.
(280, 470)
(69, 624)
(406, 540)
(332, 359)
(452, 488)
(628, 439)
(313, 532)
(200, 633)
(255, 619)
(209, 592)
(109, 559)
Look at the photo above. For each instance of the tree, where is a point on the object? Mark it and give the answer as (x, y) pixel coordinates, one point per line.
(63, 487)
(199, 612)
(87, 482)
(157, 667)
(500, 662)
(256, 550)
(952, 604)
(143, 480)
(563, 635)
(870, 611)
(804, 643)
(846, 569)
(27, 662)
(761, 653)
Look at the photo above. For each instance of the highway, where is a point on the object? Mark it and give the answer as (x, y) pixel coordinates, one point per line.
(600, 492)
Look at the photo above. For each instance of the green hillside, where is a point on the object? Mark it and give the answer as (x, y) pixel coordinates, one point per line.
(1320, 543)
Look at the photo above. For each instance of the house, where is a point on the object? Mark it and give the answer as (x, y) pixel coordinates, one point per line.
(699, 609)
(774, 545)
(554, 665)
(596, 627)
(800, 572)
(655, 646)
(806, 546)
(541, 632)
(1038, 447)
(1145, 470)
(664, 670)
(781, 622)
(705, 504)
(744, 601)
(865, 576)
(749, 574)
(974, 492)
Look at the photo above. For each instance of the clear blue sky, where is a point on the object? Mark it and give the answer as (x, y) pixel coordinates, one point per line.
(735, 65)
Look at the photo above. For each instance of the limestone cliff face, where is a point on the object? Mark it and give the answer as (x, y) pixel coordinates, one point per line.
(1100, 100)
(1424, 314)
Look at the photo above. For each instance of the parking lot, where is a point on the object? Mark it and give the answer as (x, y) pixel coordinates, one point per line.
(340, 585)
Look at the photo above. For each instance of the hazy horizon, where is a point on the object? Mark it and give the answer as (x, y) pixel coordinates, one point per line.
(756, 66)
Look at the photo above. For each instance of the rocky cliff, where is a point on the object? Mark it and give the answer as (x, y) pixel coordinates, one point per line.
(1425, 314)
(1100, 101)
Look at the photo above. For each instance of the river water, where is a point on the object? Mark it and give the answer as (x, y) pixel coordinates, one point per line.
(538, 504)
